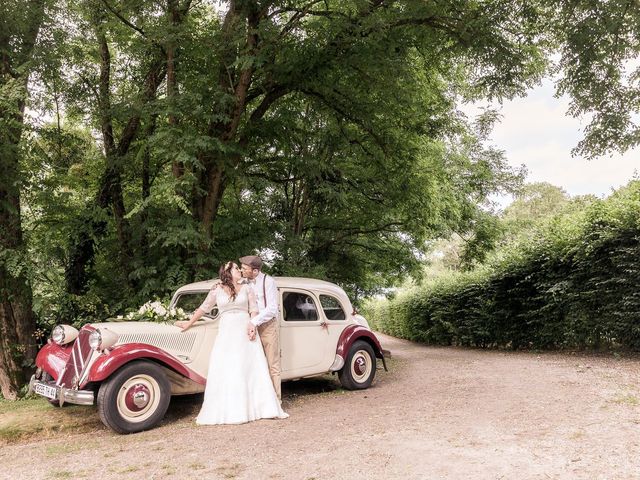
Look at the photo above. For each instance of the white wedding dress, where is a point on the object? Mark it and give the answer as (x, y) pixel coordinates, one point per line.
(239, 387)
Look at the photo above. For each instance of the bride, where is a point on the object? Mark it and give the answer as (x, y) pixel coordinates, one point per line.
(239, 388)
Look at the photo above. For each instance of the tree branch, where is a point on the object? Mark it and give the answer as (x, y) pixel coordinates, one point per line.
(124, 20)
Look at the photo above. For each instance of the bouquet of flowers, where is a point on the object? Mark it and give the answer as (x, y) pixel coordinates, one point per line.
(155, 312)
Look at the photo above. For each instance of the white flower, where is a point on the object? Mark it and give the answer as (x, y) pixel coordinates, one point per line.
(145, 308)
(119, 317)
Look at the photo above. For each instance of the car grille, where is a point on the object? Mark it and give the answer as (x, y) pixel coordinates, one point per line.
(80, 356)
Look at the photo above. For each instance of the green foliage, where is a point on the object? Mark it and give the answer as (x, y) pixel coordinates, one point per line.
(343, 158)
(533, 202)
(600, 46)
(573, 284)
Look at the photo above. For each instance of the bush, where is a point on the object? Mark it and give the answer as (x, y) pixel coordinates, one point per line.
(574, 283)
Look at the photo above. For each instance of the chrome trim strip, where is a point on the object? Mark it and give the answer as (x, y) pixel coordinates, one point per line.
(85, 363)
(77, 344)
(85, 372)
(75, 360)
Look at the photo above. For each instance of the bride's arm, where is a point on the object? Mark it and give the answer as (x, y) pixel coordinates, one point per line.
(206, 307)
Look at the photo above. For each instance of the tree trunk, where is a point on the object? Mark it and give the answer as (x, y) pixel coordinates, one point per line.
(110, 193)
(174, 20)
(214, 178)
(17, 322)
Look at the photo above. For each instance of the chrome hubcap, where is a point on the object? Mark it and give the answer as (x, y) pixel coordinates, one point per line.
(361, 366)
(138, 398)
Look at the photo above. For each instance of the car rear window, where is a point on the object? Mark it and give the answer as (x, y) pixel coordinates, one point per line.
(189, 301)
(332, 308)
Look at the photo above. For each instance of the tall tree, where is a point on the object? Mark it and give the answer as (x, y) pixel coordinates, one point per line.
(600, 48)
(340, 54)
(20, 24)
(120, 95)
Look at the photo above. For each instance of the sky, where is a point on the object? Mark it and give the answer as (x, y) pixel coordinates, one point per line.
(536, 131)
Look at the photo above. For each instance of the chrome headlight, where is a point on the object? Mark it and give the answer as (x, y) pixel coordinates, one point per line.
(63, 334)
(101, 339)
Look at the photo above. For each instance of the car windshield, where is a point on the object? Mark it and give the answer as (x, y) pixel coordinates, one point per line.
(189, 301)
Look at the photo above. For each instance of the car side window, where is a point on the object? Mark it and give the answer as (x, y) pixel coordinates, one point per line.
(192, 300)
(299, 307)
(332, 308)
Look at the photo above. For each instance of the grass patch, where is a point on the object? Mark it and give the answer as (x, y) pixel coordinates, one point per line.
(229, 471)
(579, 435)
(627, 400)
(169, 469)
(62, 449)
(62, 474)
(130, 469)
(21, 420)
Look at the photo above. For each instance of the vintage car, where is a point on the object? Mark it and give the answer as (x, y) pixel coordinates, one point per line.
(131, 369)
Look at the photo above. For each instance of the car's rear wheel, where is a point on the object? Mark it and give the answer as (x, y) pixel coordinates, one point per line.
(359, 368)
(135, 398)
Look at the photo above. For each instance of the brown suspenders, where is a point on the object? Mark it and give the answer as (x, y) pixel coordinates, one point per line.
(264, 291)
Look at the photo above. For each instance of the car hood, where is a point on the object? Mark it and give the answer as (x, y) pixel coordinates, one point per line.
(162, 335)
(138, 327)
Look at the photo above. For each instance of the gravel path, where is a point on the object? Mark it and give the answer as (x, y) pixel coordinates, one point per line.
(438, 413)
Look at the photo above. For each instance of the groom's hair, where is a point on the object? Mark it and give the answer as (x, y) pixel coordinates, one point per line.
(253, 261)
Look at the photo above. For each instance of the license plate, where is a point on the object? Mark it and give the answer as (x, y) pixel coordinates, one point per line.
(45, 390)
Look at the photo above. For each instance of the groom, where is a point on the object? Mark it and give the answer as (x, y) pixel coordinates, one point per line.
(266, 321)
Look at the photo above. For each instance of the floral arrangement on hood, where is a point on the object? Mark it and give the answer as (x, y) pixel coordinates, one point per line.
(155, 312)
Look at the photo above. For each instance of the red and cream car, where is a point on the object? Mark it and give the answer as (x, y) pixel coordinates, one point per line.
(131, 369)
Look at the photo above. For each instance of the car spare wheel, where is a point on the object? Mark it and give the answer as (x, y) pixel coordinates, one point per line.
(359, 367)
(134, 398)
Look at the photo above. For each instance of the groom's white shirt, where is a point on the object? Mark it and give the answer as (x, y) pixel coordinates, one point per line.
(269, 308)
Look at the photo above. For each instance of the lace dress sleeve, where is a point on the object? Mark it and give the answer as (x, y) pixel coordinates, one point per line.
(253, 301)
(210, 301)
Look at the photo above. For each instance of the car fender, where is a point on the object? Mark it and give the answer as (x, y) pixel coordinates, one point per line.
(113, 359)
(53, 357)
(358, 332)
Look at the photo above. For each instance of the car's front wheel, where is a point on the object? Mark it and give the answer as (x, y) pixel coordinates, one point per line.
(135, 398)
(359, 368)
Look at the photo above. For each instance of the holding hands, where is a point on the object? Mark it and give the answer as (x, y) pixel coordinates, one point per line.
(251, 331)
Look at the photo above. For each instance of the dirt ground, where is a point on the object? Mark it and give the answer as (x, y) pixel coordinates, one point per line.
(439, 413)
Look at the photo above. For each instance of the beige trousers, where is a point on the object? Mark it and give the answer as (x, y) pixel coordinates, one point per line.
(270, 338)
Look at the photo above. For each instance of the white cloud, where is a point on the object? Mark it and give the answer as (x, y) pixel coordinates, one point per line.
(537, 132)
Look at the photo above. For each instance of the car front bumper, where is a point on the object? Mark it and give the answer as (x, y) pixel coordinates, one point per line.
(57, 393)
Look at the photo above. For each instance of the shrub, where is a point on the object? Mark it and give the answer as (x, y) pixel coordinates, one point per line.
(573, 283)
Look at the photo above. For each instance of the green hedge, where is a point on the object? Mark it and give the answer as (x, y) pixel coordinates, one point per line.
(573, 283)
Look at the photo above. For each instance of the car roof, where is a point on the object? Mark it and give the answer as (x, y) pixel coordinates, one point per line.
(281, 282)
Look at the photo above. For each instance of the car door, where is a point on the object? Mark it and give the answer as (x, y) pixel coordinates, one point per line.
(304, 339)
(205, 331)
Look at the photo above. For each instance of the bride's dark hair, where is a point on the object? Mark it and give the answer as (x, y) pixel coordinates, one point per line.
(224, 274)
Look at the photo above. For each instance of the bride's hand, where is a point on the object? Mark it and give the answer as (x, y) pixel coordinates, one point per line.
(182, 324)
